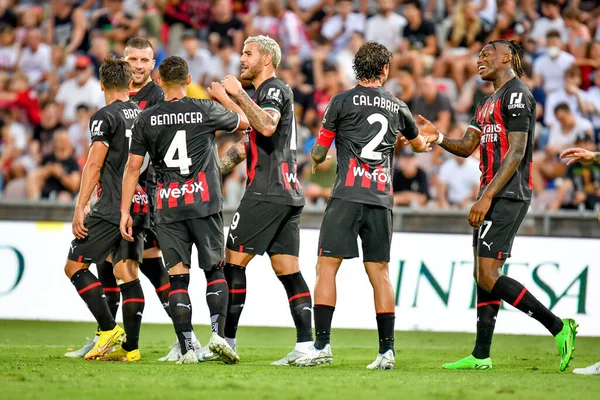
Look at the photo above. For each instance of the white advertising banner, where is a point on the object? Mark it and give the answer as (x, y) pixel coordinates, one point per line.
(431, 275)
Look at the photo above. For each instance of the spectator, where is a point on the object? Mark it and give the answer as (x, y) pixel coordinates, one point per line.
(419, 46)
(387, 26)
(345, 57)
(593, 95)
(225, 26)
(308, 10)
(550, 22)
(43, 133)
(327, 83)
(115, 24)
(182, 15)
(432, 104)
(464, 43)
(67, 26)
(16, 163)
(549, 69)
(99, 52)
(31, 18)
(546, 164)
(225, 62)
(58, 177)
(20, 96)
(83, 89)
(292, 35)
(487, 11)
(303, 94)
(578, 33)
(339, 28)
(9, 48)
(7, 16)
(79, 133)
(575, 98)
(263, 22)
(509, 25)
(581, 187)
(197, 58)
(410, 182)
(458, 179)
(36, 58)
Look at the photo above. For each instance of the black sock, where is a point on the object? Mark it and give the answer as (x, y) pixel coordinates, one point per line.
(300, 305)
(514, 293)
(323, 317)
(236, 281)
(488, 305)
(90, 290)
(106, 276)
(181, 310)
(157, 274)
(217, 298)
(133, 308)
(385, 328)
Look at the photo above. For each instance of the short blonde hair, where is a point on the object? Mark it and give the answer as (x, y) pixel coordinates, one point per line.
(267, 45)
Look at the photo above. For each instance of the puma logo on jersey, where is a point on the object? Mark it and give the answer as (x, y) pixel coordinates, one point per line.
(232, 238)
(489, 246)
(73, 249)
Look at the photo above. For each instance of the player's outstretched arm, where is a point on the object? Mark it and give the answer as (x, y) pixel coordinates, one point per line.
(517, 144)
(130, 180)
(217, 91)
(89, 180)
(235, 155)
(263, 121)
(583, 156)
(462, 147)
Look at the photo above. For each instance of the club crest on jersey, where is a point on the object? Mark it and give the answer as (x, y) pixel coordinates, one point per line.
(516, 101)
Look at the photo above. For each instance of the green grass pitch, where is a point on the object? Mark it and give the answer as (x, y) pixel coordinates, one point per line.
(32, 366)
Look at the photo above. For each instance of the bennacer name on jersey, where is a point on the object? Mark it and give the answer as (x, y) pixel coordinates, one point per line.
(375, 101)
(176, 118)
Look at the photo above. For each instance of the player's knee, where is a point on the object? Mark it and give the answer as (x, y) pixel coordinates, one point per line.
(486, 280)
(215, 273)
(72, 267)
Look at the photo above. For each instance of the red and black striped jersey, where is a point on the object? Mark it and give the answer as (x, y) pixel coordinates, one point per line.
(111, 125)
(365, 122)
(179, 136)
(271, 161)
(148, 96)
(510, 109)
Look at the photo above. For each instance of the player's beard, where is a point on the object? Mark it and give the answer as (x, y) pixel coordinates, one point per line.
(252, 72)
(140, 81)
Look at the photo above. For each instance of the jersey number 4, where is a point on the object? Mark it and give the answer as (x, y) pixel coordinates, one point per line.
(368, 152)
(178, 145)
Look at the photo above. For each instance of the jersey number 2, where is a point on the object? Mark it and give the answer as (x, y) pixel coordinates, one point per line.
(368, 151)
(179, 146)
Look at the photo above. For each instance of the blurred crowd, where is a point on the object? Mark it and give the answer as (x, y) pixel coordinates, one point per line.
(50, 53)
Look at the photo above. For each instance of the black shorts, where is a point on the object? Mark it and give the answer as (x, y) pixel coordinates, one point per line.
(176, 240)
(494, 239)
(344, 221)
(258, 227)
(104, 239)
(151, 240)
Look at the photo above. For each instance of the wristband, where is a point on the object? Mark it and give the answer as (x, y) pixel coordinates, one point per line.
(440, 138)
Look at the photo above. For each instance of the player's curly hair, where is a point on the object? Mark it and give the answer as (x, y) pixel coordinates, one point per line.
(516, 52)
(173, 70)
(115, 74)
(370, 60)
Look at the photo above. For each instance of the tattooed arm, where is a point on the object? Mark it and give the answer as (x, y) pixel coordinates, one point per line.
(581, 155)
(235, 155)
(517, 144)
(263, 121)
(462, 147)
(319, 153)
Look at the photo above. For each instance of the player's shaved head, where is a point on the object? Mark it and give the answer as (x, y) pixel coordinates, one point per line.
(115, 74)
(173, 71)
(139, 43)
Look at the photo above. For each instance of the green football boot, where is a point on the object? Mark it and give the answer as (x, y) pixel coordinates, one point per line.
(565, 341)
(470, 362)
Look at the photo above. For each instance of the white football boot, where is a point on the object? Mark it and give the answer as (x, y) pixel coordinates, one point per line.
(316, 357)
(591, 370)
(383, 361)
